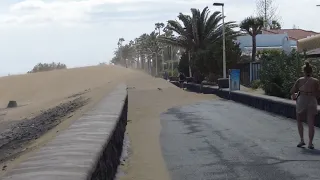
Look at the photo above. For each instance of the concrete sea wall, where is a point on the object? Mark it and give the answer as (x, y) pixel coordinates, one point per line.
(89, 149)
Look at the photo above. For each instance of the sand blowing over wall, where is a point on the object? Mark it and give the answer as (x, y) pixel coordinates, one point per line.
(38, 91)
(49, 101)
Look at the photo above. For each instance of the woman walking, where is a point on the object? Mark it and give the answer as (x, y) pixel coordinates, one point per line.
(305, 91)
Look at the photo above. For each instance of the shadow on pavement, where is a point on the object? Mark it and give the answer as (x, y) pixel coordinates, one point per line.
(315, 152)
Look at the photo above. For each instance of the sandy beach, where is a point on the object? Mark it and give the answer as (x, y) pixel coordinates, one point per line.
(49, 102)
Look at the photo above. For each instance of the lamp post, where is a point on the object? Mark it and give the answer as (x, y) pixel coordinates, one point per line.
(171, 51)
(223, 39)
(162, 60)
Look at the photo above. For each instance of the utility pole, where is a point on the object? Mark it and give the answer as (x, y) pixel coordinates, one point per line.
(265, 14)
(171, 60)
(156, 64)
(224, 45)
(162, 58)
(223, 41)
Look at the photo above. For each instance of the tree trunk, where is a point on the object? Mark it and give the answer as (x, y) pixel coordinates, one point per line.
(142, 61)
(254, 48)
(156, 64)
(189, 60)
(162, 61)
(149, 65)
(138, 61)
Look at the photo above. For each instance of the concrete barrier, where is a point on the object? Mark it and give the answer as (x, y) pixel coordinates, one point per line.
(173, 78)
(176, 83)
(89, 149)
(276, 105)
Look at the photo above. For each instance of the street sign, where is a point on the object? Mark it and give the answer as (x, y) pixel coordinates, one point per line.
(234, 80)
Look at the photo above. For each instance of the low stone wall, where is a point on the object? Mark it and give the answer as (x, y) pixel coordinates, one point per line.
(176, 83)
(89, 149)
(279, 106)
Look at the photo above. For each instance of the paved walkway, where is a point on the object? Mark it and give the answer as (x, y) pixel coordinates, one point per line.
(220, 139)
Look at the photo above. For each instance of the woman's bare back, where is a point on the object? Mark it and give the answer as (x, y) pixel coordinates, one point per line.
(308, 85)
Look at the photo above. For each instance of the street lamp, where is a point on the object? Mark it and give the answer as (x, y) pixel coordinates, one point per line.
(224, 40)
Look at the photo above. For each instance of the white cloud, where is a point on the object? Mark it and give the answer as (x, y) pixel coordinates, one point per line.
(32, 12)
(37, 11)
(75, 11)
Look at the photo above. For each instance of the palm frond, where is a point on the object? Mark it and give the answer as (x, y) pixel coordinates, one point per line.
(176, 27)
(174, 41)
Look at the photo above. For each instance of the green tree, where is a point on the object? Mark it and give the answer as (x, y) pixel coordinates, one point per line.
(195, 39)
(142, 45)
(253, 26)
(275, 25)
(155, 49)
(41, 67)
(198, 34)
(279, 71)
(120, 41)
(158, 27)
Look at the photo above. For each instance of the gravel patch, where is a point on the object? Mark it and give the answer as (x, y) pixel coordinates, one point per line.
(17, 135)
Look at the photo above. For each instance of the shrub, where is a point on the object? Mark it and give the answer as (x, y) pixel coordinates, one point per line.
(47, 67)
(279, 71)
(184, 64)
(212, 77)
(255, 84)
(175, 72)
(315, 63)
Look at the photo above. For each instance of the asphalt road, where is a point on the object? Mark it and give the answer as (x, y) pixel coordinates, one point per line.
(222, 140)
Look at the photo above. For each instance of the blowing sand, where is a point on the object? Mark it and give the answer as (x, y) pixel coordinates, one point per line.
(148, 98)
(50, 101)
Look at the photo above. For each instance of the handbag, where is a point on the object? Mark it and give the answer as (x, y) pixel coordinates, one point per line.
(296, 95)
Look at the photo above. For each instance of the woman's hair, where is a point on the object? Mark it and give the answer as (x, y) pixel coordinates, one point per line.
(307, 68)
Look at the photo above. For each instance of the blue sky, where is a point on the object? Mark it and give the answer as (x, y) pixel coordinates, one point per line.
(85, 32)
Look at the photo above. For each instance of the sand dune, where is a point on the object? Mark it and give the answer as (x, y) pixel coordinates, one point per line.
(39, 91)
(48, 102)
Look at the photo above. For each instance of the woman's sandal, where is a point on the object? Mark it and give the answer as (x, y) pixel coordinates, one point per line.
(311, 146)
(301, 144)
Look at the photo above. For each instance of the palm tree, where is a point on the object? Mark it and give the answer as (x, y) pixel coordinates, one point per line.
(143, 47)
(198, 32)
(154, 48)
(185, 35)
(120, 41)
(138, 49)
(253, 26)
(158, 27)
(128, 54)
